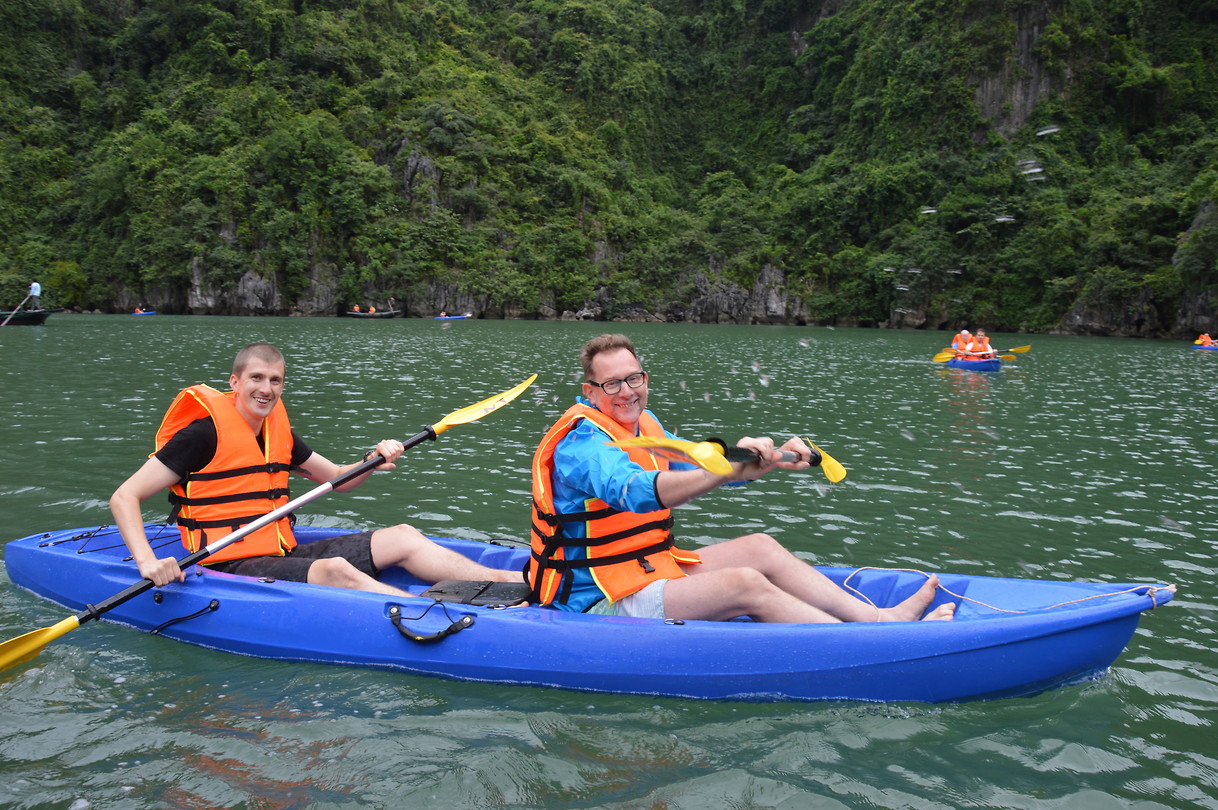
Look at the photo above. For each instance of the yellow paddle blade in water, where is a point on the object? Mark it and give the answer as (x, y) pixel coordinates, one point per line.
(478, 410)
(943, 357)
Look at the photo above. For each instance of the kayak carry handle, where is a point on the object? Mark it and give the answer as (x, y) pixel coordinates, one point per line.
(395, 616)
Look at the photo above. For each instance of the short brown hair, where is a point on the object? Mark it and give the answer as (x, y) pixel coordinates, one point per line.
(256, 351)
(603, 343)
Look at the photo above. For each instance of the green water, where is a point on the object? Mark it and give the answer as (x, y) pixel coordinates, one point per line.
(1084, 459)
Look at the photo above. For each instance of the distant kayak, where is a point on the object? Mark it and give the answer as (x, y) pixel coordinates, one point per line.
(389, 313)
(1010, 636)
(1214, 347)
(450, 317)
(976, 365)
(149, 312)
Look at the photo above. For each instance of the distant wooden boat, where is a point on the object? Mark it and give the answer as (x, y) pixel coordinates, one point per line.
(26, 317)
(389, 313)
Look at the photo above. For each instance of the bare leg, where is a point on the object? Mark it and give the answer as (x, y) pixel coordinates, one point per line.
(809, 595)
(337, 572)
(405, 546)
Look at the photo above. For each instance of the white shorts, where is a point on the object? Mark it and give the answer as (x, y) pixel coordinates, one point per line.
(647, 603)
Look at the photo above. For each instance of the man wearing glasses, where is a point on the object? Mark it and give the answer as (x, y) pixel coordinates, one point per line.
(601, 519)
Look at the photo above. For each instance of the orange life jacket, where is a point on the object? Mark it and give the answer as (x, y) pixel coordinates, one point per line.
(625, 551)
(979, 348)
(242, 482)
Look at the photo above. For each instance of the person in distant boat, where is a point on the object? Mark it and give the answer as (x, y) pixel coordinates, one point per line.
(979, 348)
(443, 314)
(35, 294)
(138, 311)
(371, 310)
(356, 308)
(225, 459)
(601, 520)
(1204, 339)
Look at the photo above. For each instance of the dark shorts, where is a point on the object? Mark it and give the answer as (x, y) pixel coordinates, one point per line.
(294, 566)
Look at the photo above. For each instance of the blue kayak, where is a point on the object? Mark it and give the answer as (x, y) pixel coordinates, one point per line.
(1207, 348)
(976, 365)
(1055, 633)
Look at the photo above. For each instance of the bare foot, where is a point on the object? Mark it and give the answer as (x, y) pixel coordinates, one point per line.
(944, 613)
(912, 608)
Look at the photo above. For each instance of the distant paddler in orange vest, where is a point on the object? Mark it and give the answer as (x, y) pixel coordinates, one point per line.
(1204, 340)
(961, 341)
(979, 348)
(356, 308)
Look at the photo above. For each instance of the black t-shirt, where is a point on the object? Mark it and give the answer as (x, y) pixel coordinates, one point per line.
(192, 448)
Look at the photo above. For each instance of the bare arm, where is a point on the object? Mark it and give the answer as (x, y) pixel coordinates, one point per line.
(677, 487)
(320, 469)
(148, 480)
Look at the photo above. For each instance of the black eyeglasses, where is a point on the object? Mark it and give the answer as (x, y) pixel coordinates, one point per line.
(613, 386)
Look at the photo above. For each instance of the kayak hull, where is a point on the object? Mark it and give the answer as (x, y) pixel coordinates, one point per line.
(983, 654)
(976, 365)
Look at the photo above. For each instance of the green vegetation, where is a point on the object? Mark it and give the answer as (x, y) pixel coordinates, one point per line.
(543, 154)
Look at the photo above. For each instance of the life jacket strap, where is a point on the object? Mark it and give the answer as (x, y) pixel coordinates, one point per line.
(269, 467)
(568, 565)
(266, 494)
(551, 519)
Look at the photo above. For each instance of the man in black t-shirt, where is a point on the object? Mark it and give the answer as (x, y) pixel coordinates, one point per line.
(347, 561)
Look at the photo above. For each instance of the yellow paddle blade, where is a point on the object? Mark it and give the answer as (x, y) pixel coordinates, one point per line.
(706, 455)
(1019, 349)
(472, 413)
(834, 471)
(23, 648)
(1006, 357)
(944, 356)
(1197, 342)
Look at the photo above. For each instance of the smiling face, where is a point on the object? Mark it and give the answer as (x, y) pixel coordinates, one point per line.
(258, 387)
(627, 405)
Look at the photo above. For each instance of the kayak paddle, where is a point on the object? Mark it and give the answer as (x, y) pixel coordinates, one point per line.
(716, 458)
(22, 648)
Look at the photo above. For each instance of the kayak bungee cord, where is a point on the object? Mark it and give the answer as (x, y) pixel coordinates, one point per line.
(1151, 591)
